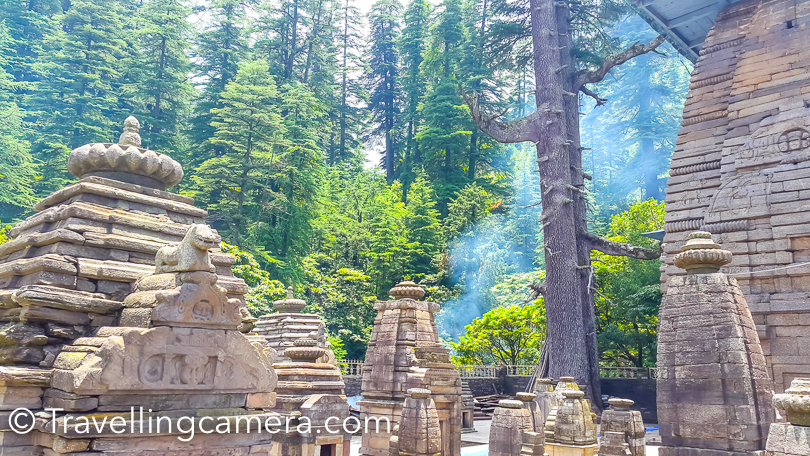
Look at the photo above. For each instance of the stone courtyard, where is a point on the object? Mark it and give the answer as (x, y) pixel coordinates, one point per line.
(125, 332)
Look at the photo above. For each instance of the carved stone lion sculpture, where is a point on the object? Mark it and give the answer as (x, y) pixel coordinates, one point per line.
(191, 254)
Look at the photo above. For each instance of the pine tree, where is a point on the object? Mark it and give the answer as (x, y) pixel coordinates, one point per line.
(27, 23)
(383, 79)
(348, 118)
(444, 139)
(76, 99)
(162, 90)
(425, 237)
(18, 171)
(249, 126)
(220, 46)
(414, 84)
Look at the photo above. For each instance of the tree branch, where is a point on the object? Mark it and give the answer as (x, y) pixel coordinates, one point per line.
(599, 100)
(614, 248)
(590, 77)
(512, 131)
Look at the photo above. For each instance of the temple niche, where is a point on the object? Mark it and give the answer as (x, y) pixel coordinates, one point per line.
(115, 295)
(404, 353)
(740, 167)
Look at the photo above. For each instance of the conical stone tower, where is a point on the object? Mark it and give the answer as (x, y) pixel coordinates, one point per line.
(66, 302)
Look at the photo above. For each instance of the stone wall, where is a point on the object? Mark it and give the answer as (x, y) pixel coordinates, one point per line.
(741, 165)
(640, 391)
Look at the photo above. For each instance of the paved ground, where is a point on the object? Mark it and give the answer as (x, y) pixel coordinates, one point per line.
(481, 438)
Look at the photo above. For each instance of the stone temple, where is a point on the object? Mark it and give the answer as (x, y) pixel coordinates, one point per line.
(742, 159)
(115, 295)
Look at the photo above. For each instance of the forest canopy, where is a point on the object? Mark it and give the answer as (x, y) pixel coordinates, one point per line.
(330, 144)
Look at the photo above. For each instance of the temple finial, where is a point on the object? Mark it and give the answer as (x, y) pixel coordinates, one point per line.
(130, 136)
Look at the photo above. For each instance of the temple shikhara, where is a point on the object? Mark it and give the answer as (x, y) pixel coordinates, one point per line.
(122, 323)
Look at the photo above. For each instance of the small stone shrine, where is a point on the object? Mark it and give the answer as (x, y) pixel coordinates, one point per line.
(282, 329)
(571, 427)
(792, 438)
(622, 432)
(510, 419)
(418, 433)
(310, 393)
(713, 390)
(76, 337)
(545, 396)
(405, 352)
(742, 160)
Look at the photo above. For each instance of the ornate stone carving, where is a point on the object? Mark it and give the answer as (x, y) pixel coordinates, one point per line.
(126, 157)
(796, 402)
(191, 254)
(290, 304)
(407, 290)
(171, 359)
(700, 255)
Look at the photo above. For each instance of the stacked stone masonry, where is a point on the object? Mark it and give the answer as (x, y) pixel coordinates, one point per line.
(741, 166)
(115, 295)
(404, 352)
(714, 392)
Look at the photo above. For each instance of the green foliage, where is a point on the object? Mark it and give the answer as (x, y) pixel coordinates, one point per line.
(336, 344)
(77, 96)
(383, 79)
(343, 297)
(249, 127)
(263, 289)
(628, 290)
(632, 136)
(161, 90)
(5, 233)
(504, 335)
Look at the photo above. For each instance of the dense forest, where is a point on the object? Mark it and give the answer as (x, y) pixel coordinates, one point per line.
(335, 152)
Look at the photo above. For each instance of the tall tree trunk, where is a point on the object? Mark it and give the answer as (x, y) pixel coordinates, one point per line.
(563, 295)
(583, 259)
(288, 69)
(344, 86)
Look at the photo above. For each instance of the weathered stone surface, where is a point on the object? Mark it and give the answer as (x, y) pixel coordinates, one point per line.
(795, 402)
(279, 331)
(740, 166)
(191, 254)
(58, 298)
(570, 428)
(171, 359)
(404, 352)
(545, 396)
(622, 430)
(713, 386)
(418, 433)
(509, 421)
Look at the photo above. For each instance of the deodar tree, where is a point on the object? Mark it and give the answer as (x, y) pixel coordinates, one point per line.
(571, 347)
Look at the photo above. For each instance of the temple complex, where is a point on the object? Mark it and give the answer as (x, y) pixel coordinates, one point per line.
(404, 352)
(570, 428)
(742, 159)
(622, 432)
(310, 392)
